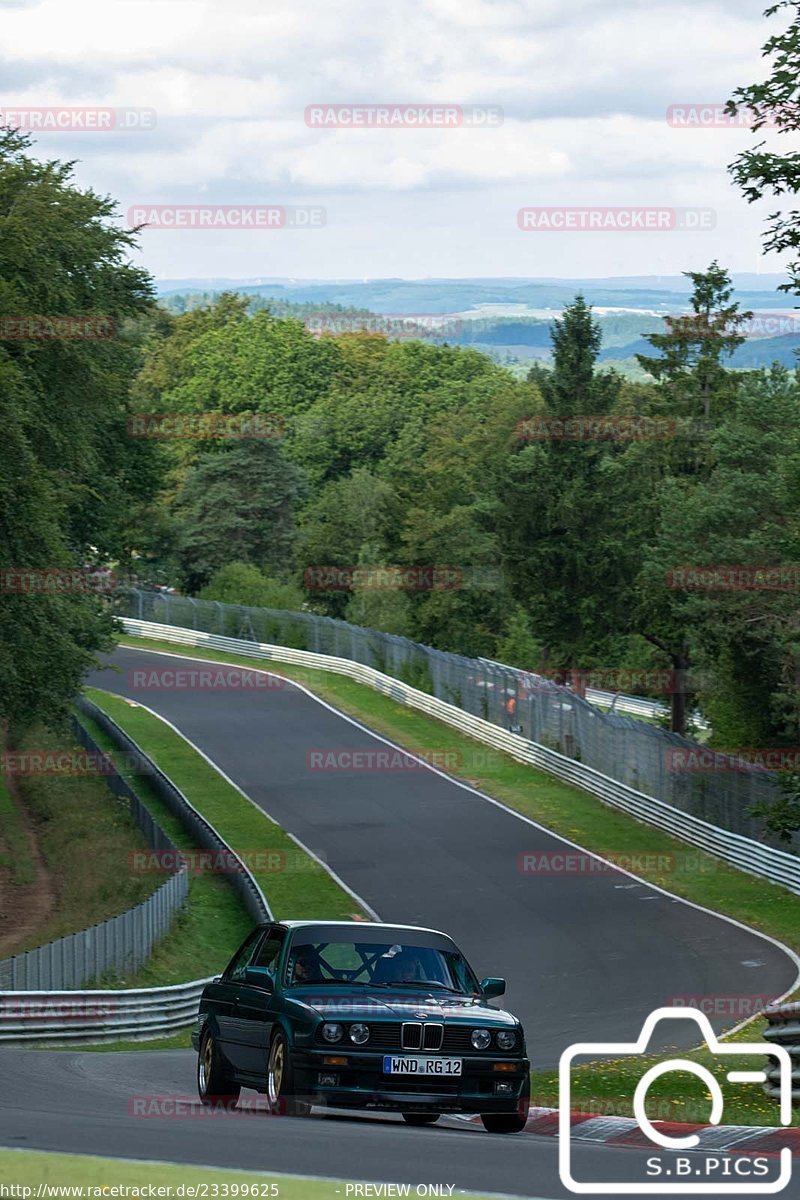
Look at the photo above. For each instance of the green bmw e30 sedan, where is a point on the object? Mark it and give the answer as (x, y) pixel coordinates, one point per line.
(356, 1014)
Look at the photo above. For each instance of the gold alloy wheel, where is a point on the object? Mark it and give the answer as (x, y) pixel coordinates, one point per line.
(206, 1064)
(275, 1075)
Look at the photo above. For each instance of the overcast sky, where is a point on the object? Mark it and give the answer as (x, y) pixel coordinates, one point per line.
(583, 85)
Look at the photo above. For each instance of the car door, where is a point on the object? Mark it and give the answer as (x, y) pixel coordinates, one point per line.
(223, 996)
(255, 1007)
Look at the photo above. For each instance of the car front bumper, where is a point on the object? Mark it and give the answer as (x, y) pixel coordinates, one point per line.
(361, 1083)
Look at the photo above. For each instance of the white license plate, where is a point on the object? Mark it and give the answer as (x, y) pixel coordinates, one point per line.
(416, 1065)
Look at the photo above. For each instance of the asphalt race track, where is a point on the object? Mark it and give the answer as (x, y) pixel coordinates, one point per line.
(587, 955)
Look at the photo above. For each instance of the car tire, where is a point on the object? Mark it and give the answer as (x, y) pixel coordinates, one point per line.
(214, 1086)
(280, 1081)
(503, 1122)
(509, 1122)
(420, 1118)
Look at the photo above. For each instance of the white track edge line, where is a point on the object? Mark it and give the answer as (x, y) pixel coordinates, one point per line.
(336, 878)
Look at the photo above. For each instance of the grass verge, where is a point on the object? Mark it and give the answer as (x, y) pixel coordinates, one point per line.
(82, 832)
(15, 850)
(28, 1169)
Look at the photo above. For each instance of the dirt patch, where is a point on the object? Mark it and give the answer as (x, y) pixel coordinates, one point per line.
(24, 908)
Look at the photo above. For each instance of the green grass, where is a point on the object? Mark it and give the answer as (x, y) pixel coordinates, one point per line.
(83, 833)
(15, 847)
(28, 1169)
(176, 1041)
(297, 887)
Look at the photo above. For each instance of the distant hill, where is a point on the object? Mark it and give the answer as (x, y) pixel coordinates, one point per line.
(508, 319)
(663, 293)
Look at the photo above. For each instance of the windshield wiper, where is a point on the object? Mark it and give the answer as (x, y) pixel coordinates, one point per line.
(420, 984)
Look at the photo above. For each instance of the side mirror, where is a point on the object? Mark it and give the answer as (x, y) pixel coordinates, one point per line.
(259, 977)
(493, 986)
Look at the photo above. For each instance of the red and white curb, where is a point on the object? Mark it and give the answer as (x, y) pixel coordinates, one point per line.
(625, 1131)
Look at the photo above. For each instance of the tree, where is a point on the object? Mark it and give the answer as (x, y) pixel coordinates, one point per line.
(346, 514)
(742, 514)
(237, 505)
(61, 401)
(760, 172)
(574, 386)
(376, 607)
(519, 647)
(694, 345)
(568, 569)
(242, 583)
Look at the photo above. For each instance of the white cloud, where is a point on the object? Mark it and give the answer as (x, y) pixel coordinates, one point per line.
(584, 86)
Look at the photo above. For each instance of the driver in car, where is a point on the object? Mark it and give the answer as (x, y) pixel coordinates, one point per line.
(306, 968)
(405, 967)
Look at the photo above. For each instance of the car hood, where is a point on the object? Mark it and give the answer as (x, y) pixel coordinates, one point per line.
(399, 1006)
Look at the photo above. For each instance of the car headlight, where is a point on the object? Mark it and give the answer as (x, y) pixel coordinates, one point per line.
(332, 1032)
(480, 1038)
(359, 1034)
(506, 1039)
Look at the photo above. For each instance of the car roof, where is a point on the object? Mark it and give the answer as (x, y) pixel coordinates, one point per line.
(357, 925)
(366, 931)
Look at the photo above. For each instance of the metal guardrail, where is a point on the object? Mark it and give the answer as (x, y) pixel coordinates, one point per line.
(757, 858)
(122, 943)
(68, 1014)
(87, 1017)
(784, 1030)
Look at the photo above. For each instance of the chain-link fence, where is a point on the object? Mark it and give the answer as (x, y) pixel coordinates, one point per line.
(122, 944)
(652, 760)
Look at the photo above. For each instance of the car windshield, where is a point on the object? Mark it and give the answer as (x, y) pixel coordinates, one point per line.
(389, 965)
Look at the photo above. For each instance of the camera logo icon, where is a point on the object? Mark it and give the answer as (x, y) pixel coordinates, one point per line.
(669, 1144)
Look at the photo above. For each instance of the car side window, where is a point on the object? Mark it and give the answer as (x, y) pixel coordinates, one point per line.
(235, 969)
(269, 951)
